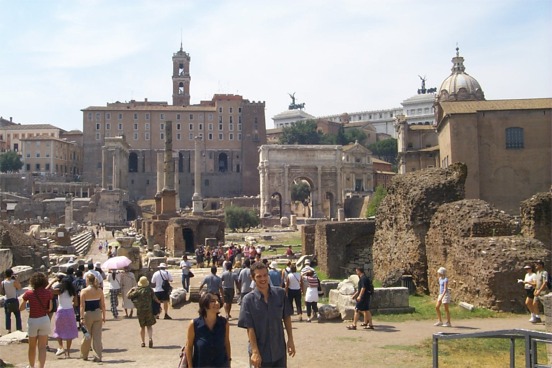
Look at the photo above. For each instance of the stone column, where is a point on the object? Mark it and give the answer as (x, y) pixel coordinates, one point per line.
(168, 165)
(114, 171)
(317, 210)
(340, 214)
(176, 182)
(265, 197)
(104, 172)
(286, 211)
(197, 200)
(159, 171)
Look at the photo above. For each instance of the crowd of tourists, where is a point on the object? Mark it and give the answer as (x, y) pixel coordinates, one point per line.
(73, 302)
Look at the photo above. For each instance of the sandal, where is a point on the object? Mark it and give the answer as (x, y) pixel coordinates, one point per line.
(364, 324)
(369, 327)
(143, 345)
(351, 327)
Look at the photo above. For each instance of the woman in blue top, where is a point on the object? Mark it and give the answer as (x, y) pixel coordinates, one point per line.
(443, 298)
(208, 340)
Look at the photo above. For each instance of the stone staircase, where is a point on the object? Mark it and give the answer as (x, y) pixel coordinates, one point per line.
(82, 242)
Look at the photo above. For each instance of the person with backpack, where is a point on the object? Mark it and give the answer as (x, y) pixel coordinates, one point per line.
(162, 279)
(543, 280)
(362, 297)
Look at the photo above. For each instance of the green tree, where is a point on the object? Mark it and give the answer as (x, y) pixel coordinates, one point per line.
(355, 134)
(300, 191)
(239, 218)
(10, 162)
(385, 150)
(302, 132)
(375, 201)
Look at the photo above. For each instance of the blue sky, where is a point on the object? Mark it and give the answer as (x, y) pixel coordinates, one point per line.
(58, 57)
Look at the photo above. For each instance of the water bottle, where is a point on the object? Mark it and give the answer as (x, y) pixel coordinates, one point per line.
(85, 332)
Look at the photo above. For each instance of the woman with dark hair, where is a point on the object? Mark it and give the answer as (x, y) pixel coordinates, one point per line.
(92, 311)
(38, 324)
(65, 326)
(294, 289)
(114, 280)
(208, 340)
(11, 304)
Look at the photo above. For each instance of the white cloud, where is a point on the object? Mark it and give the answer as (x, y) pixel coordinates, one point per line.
(341, 56)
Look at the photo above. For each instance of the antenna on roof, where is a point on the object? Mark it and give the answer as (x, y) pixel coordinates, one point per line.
(180, 38)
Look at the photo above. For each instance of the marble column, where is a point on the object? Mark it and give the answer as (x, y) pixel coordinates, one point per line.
(197, 200)
(286, 211)
(104, 171)
(114, 171)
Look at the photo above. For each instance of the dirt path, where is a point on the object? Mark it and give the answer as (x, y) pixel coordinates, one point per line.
(318, 345)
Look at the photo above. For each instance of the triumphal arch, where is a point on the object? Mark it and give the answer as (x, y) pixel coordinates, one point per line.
(332, 172)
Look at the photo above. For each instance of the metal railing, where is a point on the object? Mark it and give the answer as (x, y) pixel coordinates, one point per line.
(531, 338)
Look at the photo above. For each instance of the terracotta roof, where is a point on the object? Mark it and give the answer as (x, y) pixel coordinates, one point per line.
(31, 126)
(469, 107)
(421, 127)
(377, 160)
(129, 107)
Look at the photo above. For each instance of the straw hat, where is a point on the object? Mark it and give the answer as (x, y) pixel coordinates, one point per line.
(143, 282)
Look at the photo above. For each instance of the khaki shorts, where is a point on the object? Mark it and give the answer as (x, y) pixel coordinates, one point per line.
(38, 326)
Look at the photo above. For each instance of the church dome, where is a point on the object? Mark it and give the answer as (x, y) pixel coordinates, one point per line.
(460, 86)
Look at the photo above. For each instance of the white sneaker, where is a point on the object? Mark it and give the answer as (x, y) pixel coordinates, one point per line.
(60, 352)
(438, 323)
(532, 320)
(446, 324)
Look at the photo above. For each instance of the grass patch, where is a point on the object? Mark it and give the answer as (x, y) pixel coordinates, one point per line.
(425, 310)
(480, 352)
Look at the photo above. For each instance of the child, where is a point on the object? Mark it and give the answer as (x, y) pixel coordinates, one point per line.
(443, 298)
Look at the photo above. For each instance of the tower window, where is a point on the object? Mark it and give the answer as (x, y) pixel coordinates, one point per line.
(178, 126)
(191, 116)
(514, 138)
(191, 126)
(162, 116)
(177, 116)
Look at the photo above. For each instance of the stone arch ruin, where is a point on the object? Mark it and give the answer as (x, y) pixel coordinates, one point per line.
(282, 165)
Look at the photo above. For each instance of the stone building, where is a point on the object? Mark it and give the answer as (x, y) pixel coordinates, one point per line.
(51, 156)
(417, 146)
(506, 144)
(232, 129)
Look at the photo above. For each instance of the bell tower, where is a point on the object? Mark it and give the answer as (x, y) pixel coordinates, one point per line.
(181, 78)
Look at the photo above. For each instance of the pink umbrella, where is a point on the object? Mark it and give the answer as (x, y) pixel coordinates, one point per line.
(116, 263)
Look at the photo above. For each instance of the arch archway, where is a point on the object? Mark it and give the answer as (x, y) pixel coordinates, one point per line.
(133, 162)
(302, 194)
(222, 162)
(188, 236)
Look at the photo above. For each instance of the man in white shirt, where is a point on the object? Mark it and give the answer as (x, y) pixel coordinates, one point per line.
(185, 266)
(96, 274)
(157, 280)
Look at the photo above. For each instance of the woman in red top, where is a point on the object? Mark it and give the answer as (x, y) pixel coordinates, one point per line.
(38, 324)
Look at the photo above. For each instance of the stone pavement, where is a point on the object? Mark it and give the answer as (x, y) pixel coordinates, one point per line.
(327, 344)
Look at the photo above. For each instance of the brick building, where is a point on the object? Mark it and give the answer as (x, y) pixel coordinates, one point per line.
(231, 127)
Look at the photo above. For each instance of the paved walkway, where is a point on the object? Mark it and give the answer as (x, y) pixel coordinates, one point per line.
(318, 345)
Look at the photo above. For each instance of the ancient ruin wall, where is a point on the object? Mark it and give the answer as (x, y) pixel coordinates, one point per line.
(536, 218)
(404, 216)
(342, 246)
(475, 243)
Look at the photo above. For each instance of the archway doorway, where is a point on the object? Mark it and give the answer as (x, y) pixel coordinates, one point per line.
(329, 205)
(301, 195)
(223, 162)
(188, 235)
(133, 162)
(276, 204)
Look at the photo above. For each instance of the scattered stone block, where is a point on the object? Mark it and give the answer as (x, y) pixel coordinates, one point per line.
(178, 297)
(328, 312)
(16, 337)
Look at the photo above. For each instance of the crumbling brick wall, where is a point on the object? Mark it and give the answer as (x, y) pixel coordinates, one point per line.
(475, 243)
(536, 218)
(342, 246)
(403, 219)
(308, 238)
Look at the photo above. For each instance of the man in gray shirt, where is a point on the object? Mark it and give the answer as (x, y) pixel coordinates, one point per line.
(244, 279)
(213, 282)
(262, 312)
(229, 279)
